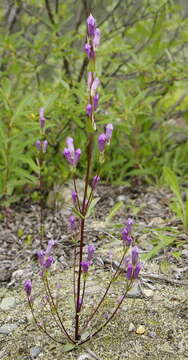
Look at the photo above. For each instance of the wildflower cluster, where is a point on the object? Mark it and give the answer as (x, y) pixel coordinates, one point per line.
(83, 261)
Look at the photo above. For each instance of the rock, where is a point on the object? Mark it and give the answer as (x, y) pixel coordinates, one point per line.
(121, 198)
(135, 291)
(140, 330)
(2, 354)
(7, 328)
(35, 351)
(148, 292)
(131, 327)
(7, 303)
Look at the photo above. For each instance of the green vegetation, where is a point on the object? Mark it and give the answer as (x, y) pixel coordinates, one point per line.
(142, 67)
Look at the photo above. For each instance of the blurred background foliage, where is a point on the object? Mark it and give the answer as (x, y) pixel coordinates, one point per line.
(142, 64)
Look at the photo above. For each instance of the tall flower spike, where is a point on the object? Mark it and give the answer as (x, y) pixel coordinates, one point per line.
(70, 153)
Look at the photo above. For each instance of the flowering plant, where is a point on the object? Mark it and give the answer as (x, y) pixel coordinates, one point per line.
(83, 262)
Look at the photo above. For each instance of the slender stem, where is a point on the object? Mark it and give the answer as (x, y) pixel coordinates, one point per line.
(74, 276)
(40, 326)
(83, 293)
(41, 204)
(55, 308)
(77, 197)
(89, 157)
(110, 318)
(106, 291)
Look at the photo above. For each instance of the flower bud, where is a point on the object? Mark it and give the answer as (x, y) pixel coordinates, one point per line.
(42, 119)
(28, 287)
(91, 25)
(102, 142)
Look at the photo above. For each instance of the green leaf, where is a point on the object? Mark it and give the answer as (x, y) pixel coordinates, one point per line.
(114, 210)
(165, 242)
(68, 347)
(92, 206)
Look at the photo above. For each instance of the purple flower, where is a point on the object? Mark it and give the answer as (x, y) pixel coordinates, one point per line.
(95, 181)
(50, 246)
(41, 145)
(42, 119)
(49, 261)
(129, 271)
(41, 255)
(91, 25)
(96, 101)
(70, 153)
(89, 79)
(89, 51)
(94, 86)
(44, 146)
(126, 238)
(72, 222)
(89, 110)
(38, 145)
(137, 270)
(74, 197)
(96, 39)
(28, 287)
(129, 223)
(85, 266)
(90, 252)
(108, 130)
(102, 142)
(134, 255)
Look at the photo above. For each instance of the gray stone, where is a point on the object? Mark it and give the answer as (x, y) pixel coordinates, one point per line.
(8, 303)
(131, 327)
(35, 351)
(2, 354)
(7, 328)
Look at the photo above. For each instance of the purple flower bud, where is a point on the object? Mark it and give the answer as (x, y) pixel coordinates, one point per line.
(50, 246)
(91, 25)
(85, 266)
(127, 260)
(96, 101)
(102, 142)
(96, 39)
(72, 222)
(129, 271)
(40, 255)
(44, 146)
(95, 181)
(109, 129)
(124, 233)
(89, 51)
(77, 156)
(90, 252)
(134, 255)
(136, 271)
(94, 86)
(42, 119)
(49, 261)
(38, 145)
(129, 223)
(71, 155)
(74, 197)
(89, 79)
(28, 287)
(89, 109)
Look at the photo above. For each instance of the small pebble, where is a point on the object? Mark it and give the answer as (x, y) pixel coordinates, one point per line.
(131, 327)
(35, 351)
(140, 330)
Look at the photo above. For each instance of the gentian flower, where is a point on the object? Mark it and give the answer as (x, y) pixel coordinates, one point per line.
(74, 197)
(41, 145)
(90, 252)
(72, 222)
(48, 262)
(94, 86)
(89, 109)
(85, 266)
(89, 79)
(108, 131)
(95, 181)
(70, 153)
(96, 101)
(96, 39)
(91, 25)
(102, 142)
(89, 51)
(42, 119)
(28, 287)
(134, 255)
